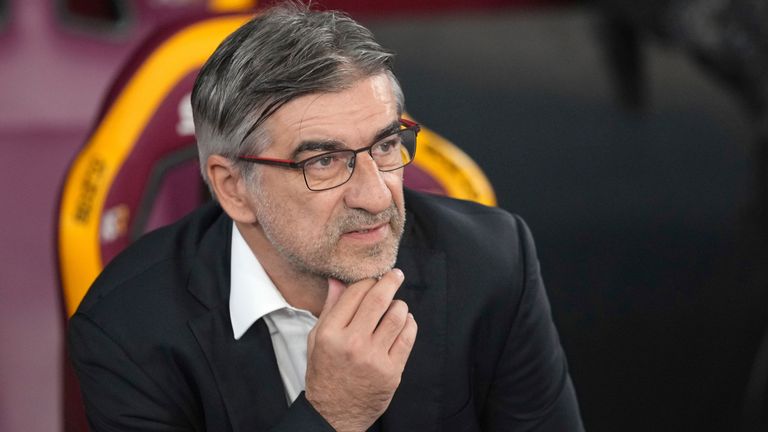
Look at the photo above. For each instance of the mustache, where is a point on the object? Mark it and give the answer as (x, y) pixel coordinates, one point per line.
(357, 219)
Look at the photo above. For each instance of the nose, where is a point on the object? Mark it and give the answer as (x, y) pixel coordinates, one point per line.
(367, 190)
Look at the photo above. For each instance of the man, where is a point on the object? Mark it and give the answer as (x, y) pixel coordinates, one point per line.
(292, 303)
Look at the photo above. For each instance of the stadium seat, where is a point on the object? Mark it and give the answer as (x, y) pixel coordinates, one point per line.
(138, 170)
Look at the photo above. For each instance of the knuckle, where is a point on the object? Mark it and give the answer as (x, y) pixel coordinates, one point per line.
(380, 300)
(400, 307)
(406, 341)
(393, 319)
(408, 336)
(371, 362)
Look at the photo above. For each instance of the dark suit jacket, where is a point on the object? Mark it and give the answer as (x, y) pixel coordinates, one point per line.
(152, 342)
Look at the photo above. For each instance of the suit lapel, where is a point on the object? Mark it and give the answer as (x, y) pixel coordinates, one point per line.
(245, 370)
(416, 404)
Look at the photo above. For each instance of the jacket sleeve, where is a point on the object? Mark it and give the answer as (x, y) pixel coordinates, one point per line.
(531, 388)
(120, 396)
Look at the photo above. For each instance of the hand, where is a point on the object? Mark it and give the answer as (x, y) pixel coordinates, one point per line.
(357, 351)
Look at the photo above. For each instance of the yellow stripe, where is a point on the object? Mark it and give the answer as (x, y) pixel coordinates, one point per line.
(453, 169)
(94, 170)
(231, 5)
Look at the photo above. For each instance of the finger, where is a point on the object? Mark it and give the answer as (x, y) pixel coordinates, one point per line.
(403, 345)
(335, 289)
(376, 302)
(391, 325)
(343, 305)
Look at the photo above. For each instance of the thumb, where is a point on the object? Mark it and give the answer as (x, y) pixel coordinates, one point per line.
(335, 288)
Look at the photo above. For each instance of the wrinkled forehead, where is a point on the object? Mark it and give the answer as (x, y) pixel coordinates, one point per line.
(354, 115)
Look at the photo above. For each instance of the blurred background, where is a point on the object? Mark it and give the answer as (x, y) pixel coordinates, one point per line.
(631, 136)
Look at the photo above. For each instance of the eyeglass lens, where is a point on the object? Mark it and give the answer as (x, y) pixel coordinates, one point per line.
(335, 168)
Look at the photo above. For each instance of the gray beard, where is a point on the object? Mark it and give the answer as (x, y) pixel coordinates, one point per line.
(317, 260)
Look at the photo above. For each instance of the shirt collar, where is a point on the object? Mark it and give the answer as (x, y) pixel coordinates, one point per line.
(252, 293)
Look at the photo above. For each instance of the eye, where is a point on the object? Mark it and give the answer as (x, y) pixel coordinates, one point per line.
(323, 161)
(387, 146)
(327, 161)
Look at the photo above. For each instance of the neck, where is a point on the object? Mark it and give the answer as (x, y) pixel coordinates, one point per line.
(299, 288)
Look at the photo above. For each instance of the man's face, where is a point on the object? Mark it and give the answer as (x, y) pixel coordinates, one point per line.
(350, 232)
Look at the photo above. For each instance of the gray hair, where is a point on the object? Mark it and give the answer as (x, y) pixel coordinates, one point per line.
(285, 52)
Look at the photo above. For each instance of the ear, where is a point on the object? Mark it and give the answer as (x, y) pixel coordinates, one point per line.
(230, 189)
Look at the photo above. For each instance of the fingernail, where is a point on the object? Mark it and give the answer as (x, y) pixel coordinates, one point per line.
(399, 273)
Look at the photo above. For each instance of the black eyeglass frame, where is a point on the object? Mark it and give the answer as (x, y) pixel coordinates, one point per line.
(299, 165)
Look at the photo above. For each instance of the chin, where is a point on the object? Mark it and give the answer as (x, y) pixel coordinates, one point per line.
(365, 268)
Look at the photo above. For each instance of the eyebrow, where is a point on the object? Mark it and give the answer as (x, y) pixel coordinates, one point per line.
(331, 145)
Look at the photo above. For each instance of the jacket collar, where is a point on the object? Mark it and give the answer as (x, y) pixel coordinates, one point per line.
(245, 370)
(209, 277)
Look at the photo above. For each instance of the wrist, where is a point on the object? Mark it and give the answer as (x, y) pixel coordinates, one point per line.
(341, 420)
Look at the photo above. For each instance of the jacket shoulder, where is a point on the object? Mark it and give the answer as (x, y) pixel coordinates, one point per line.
(442, 221)
(158, 255)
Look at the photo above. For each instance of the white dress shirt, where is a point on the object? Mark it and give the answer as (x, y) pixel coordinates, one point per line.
(253, 296)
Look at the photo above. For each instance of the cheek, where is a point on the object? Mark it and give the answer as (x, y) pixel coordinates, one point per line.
(395, 185)
(314, 212)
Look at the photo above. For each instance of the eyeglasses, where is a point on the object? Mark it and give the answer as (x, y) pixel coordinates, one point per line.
(334, 168)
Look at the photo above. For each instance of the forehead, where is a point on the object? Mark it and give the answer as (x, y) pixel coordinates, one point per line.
(351, 115)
